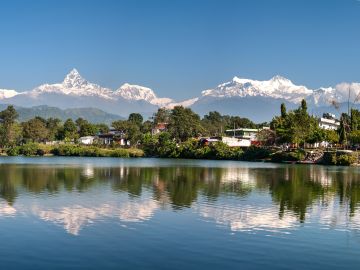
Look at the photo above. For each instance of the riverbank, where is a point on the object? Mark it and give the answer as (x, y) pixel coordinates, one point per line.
(190, 151)
(34, 149)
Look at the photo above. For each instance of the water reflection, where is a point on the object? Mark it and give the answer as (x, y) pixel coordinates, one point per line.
(241, 198)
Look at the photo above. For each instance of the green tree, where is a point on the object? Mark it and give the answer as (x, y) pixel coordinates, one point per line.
(331, 136)
(136, 118)
(69, 131)
(8, 116)
(184, 123)
(147, 127)
(162, 116)
(344, 128)
(85, 128)
(283, 110)
(102, 128)
(214, 123)
(8, 126)
(53, 125)
(35, 130)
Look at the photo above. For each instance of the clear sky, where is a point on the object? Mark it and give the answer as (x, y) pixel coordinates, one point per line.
(179, 47)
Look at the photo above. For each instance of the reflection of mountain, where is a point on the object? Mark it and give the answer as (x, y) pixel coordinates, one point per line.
(248, 217)
(74, 218)
(130, 193)
(6, 210)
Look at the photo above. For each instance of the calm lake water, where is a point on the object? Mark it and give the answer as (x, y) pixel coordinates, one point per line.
(104, 213)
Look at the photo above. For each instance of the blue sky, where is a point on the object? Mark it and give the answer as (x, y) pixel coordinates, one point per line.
(179, 47)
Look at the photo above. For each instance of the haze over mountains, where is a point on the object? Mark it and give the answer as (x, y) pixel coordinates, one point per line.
(257, 100)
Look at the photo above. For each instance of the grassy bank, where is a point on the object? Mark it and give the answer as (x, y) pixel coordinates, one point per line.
(187, 150)
(34, 149)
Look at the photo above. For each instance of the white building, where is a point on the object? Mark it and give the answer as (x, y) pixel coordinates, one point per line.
(86, 140)
(236, 142)
(329, 122)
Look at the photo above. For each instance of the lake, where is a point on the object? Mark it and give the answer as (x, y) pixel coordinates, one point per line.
(105, 213)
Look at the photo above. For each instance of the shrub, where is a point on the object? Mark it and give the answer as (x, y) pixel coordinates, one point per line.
(287, 156)
(14, 151)
(29, 149)
(254, 153)
(346, 160)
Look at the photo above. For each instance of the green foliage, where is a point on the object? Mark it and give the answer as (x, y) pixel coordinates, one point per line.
(13, 151)
(331, 136)
(288, 156)
(184, 124)
(9, 130)
(162, 116)
(346, 160)
(256, 153)
(354, 137)
(35, 130)
(69, 131)
(340, 158)
(136, 118)
(92, 151)
(30, 149)
(283, 110)
(214, 123)
(8, 116)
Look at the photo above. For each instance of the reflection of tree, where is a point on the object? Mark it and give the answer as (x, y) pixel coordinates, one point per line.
(295, 193)
(348, 190)
(8, 184)
(294, 188)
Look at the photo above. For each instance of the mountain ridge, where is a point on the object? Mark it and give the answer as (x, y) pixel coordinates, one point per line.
(75, 91)
(93, 115)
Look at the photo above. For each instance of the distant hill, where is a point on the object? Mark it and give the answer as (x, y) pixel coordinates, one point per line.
(93, 115)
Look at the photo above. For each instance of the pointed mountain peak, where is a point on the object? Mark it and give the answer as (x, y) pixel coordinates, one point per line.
(74, 79)
(240, 80)
(279, 78)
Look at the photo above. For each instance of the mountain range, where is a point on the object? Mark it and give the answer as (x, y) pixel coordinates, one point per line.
(257, 100)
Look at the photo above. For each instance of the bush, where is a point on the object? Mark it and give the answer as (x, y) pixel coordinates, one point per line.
(14, 151)
(346, 160)
(339, 158)
(288, 156)
(255, 153)
(93, 151)
(29, 149)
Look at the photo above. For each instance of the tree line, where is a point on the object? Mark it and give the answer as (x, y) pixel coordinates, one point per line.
(182, 124)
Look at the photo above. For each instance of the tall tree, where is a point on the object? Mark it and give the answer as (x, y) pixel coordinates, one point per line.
(35, 130)
(70, 130)
(136, 118)
(214, 123)
(162, 116)
(8, 128)
(283, 110)
(184, 123)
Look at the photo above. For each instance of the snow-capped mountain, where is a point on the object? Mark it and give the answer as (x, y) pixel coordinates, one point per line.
(75, 85)
(75, 91)
(137, 92)
(5, 93)
(277, 87)
(255, 99)
(260, 100)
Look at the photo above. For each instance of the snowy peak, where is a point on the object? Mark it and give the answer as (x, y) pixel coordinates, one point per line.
(281, 80)
(276, 87)
(135, 92)
(73, 85)
(74, 80)
(5, 93)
